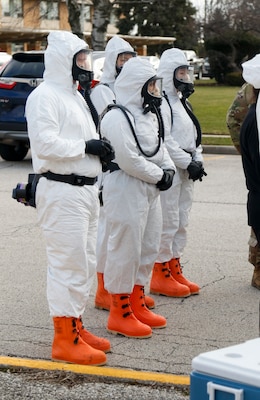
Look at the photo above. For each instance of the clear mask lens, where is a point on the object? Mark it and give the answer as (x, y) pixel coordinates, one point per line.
(123, 57)
(154, 87)
(84, 60)
(185, 74)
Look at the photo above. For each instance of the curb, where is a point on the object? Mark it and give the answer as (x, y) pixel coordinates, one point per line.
(208, 149)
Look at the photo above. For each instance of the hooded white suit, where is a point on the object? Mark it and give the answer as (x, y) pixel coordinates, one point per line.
(102, 95)
(131, 199)
(177, 201)
(59, 124)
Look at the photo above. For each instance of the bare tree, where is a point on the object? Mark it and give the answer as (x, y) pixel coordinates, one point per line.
(74, 11)
(232, 34)
(100, 21)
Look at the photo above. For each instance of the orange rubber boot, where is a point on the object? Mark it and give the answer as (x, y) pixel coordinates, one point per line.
(94, 341)
(149, 302)
(68, 346)
(141, 312)
(122, 321)
(163, 283)
(176, 272)
(103, 298)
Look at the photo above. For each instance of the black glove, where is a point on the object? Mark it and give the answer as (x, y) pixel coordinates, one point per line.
(101, 148)
(105, 160)
(166, 181)
(203, 173)
(196, 171)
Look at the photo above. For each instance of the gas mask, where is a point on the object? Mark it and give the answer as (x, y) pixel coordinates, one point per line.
(82, 70)
(152, 95)
(183, 80)
(122, 58)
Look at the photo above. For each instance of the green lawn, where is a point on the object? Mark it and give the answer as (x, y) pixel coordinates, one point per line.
(210, 105)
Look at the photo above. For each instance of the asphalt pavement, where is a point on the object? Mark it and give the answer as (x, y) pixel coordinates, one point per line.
(226, 311)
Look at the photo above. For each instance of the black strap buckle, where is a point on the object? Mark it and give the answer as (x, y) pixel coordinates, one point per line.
(78, 180)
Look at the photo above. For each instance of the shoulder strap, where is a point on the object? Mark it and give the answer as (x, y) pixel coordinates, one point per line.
(125, 112)
(168, 101)
(91, 106)
(194, 120)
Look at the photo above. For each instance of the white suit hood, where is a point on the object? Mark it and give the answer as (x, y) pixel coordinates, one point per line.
(114, 47)
(128, 85)
(251, 71)
(58, 57)
(169, 61)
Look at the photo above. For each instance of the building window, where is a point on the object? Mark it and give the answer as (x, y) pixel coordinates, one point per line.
(12, 8)
(49, 10)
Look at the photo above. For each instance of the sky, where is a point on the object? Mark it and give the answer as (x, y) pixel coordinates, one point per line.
(199, 4)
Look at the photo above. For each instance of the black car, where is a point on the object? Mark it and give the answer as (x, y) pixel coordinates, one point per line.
(18, 78)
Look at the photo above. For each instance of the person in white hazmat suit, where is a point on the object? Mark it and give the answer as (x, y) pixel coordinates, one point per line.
(117, 52)
(131, 191)
(181, 128)
(67, 152)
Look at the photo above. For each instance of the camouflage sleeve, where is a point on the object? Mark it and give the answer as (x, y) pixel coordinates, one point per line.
(237, 112)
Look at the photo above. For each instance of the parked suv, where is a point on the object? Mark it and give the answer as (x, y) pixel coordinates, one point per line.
(18, 78)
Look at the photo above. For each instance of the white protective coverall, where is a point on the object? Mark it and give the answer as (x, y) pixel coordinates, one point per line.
(103, 93)
(131, 199)
(177, 201)
(59, 124)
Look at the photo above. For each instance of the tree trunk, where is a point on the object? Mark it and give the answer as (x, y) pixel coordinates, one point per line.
(74, 11)
(100, 20)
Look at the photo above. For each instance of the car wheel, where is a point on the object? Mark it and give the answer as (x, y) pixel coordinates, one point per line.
(13, 153)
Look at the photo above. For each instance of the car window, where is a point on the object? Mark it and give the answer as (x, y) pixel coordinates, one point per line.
(24, 67)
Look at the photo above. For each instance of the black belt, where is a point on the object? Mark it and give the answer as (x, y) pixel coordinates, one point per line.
(72, 179)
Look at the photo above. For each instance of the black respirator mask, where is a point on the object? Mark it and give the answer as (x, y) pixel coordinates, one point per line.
(82, 70)
(152, 95)
(183, 80)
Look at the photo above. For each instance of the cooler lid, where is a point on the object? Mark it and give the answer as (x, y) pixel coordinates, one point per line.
(240, 363)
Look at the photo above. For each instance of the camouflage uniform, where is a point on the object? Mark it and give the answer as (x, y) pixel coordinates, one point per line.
(235, 116)
(237, 112)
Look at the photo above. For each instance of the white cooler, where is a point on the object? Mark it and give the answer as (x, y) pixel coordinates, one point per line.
(231, 373)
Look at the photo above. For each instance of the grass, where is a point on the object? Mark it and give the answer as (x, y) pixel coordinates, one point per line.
(217, 140)
(210, 103)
